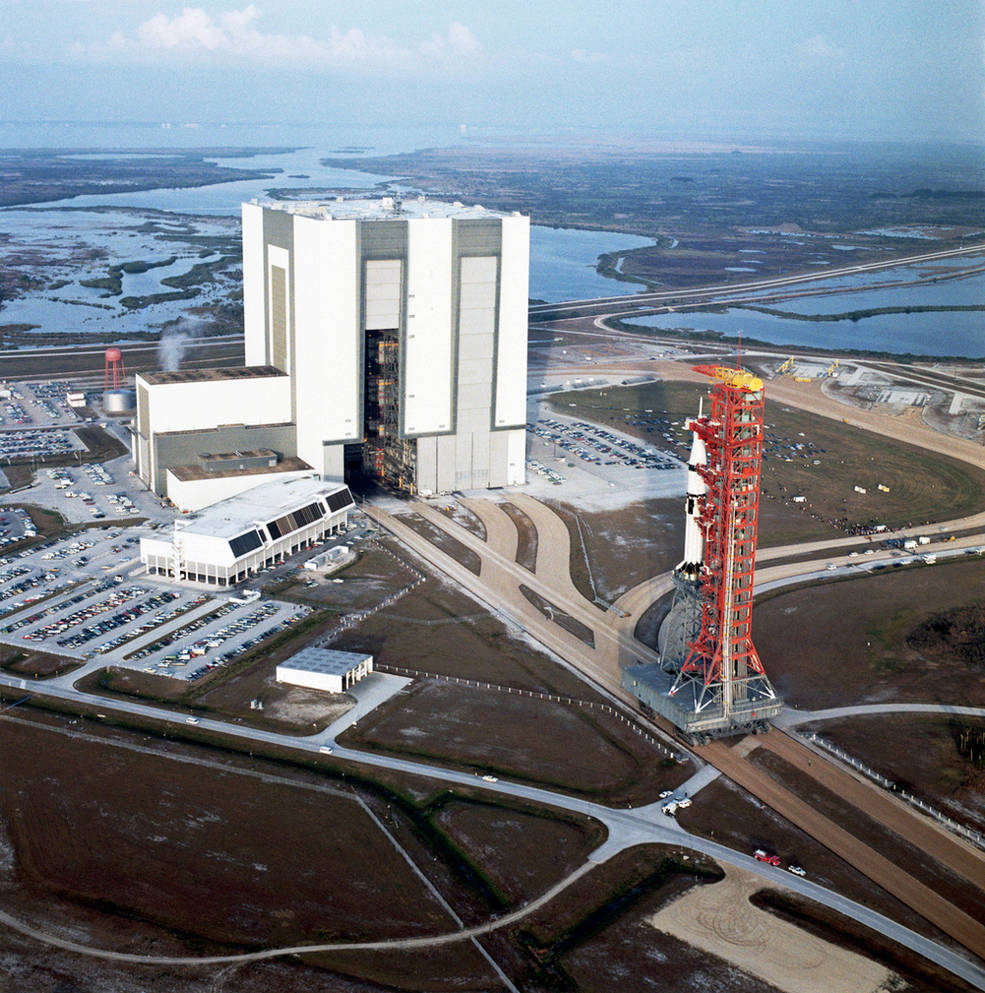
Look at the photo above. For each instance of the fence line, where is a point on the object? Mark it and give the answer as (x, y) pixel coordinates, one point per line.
(358, 616)
(976, 837)
(604, 708)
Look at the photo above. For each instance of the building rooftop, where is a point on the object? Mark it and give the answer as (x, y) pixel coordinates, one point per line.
(196, 471)
(324, 660)
(379, 209)
(210, 375)
(263, 503)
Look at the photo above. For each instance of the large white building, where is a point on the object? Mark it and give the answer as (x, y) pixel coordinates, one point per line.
(238, 537)
(384, 340)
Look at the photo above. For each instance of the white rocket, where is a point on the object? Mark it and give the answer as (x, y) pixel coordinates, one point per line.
(696, 489)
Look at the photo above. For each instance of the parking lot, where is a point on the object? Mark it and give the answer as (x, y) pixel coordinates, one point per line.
(94, 493)
(15, 525)
(40, 404)
(62, 598)
(40, 443)
(599, 468)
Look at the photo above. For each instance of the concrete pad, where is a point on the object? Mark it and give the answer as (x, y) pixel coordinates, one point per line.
(370, 693)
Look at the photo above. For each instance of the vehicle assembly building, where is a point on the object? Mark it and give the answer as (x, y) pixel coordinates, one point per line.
(235, 539)
(384, 341)
(716, 684)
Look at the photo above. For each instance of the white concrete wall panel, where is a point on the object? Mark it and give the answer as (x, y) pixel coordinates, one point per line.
(326, 681)
(383, 294)
(427, 465)
(429, 345)
(254, 290)
(511, 357)
(278, 299)
(199, 405)
(446, 463)
(327, 336)
(517, 458)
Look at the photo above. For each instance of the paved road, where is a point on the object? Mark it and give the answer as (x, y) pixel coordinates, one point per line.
(791, 717)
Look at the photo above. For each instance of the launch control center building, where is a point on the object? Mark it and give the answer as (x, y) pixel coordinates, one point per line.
(384, 341)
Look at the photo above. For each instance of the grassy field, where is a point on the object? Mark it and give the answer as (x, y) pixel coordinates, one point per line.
(846, 642)
(920, 753)
(561, 746)
(197, 851)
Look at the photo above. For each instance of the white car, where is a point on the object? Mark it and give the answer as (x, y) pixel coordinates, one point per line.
(796, 870)
(192, 720)
(490, 779)
(325, 750)
(666, 793)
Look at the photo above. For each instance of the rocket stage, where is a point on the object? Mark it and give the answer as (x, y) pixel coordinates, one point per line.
(651, 685)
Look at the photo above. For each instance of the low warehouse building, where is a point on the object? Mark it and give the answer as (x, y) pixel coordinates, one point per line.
(235, 539)
(325, 669)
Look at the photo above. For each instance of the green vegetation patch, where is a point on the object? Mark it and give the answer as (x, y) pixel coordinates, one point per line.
(958, 633)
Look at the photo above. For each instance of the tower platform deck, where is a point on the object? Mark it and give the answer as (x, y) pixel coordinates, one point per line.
(650, 684)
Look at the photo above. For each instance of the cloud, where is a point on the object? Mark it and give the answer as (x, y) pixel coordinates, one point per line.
(234, 35)
(588, 58)
(818, 49)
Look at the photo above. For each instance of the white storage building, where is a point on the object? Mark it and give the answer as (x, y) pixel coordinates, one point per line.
(325, 669)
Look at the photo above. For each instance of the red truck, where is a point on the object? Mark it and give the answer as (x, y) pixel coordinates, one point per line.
(761, 856)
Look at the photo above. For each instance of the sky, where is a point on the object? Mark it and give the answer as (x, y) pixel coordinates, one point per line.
(845, 69)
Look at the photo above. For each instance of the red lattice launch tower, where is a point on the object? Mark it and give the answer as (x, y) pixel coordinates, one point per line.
(721, 673)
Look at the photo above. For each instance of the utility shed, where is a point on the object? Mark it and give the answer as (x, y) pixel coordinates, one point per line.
(325, 669)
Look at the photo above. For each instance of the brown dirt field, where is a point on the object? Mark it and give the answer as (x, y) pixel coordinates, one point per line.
(18, 475)
(372, 577)
(560, 617)
(300, 838)
(131, 682)
(520, 853)
(113, 830)
(919, 975)
(441, 539)
(959, 892)
(854, 633)
(526, 547)
(625, 546)
(35, 665)
(449, 968)
(919, 753)
(436, 628)
(102, 445)
(722, 920)
(552, 744)
(727, 814)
